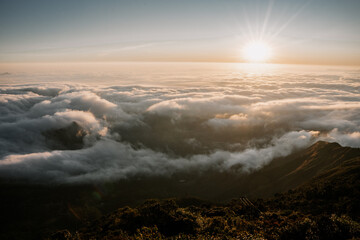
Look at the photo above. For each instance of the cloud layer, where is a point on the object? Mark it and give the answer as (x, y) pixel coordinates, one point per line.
(225, 124)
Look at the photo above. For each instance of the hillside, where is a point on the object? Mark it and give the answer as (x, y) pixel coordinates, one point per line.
(326, 207)
(322, 179)
(300, 167)
(334, 190)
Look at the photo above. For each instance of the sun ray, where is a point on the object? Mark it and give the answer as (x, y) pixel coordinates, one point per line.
(292, 18)
(266, 19)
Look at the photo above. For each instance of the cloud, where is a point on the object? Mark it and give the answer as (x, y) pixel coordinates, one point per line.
(236, 124)
(109, 160)
(79, 100)
(345, 139)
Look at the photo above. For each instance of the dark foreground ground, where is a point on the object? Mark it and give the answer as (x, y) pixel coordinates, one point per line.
(193, 219)
(317, 196)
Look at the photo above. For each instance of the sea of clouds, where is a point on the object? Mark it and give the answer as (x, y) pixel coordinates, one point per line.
(226, 120)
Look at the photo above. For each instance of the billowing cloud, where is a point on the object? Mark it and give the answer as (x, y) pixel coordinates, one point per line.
(109, 159)
(238, 124)
(345, 139)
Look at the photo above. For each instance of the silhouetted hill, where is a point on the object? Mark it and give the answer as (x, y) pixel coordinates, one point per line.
(69, 137)
(325, 207)
(322, 179)
(300, 167)
(335, 189)
(320, 157)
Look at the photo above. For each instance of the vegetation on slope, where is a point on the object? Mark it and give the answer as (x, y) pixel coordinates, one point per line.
(167, 220)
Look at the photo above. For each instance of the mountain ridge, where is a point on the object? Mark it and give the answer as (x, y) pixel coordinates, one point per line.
(313, 180)
(326, 207)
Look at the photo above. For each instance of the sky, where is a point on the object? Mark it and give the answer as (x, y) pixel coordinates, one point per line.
(305, 32)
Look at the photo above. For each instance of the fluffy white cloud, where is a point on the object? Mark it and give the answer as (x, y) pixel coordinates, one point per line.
(109, 160)
(235, 123)
(345, 139)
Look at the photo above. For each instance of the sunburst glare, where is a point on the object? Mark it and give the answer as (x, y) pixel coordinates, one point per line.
(257, 52)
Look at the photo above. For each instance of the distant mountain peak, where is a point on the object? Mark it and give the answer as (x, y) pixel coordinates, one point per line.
(322, 144)
(69, 137)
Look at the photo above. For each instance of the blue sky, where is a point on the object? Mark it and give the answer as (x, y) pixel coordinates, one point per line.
(315, 32)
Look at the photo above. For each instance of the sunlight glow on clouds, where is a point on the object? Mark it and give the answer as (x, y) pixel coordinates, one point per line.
(225, 122)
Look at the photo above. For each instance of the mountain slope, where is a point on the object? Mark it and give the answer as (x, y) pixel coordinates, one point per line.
(300, 167)
(323, 177)
(333, 190)
(326, 207)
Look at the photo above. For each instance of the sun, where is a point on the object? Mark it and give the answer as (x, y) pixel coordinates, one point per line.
(257, 52)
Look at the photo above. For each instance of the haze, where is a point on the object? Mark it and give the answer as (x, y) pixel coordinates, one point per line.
(306, 32)
(168, 118)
